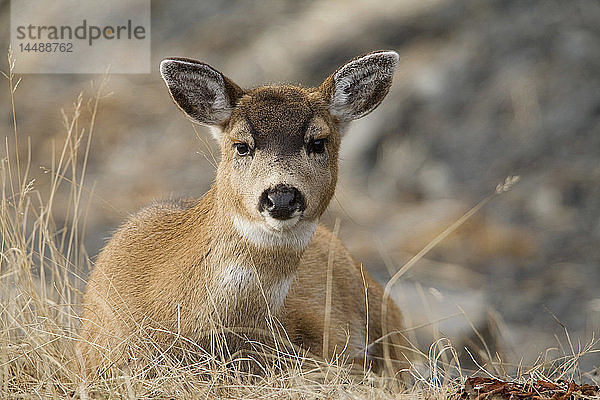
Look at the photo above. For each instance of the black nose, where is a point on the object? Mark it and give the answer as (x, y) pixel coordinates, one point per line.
(281, 201)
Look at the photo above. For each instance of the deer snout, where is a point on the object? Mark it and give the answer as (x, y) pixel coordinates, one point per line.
(281, 201)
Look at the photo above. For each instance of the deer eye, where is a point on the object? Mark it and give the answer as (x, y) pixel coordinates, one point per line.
(242, 149)
(316, 146)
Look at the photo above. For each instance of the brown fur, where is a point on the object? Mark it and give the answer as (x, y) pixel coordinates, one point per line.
(184, 269)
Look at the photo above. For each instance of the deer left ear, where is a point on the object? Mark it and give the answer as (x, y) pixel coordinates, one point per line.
(360, 85)
(203, 93)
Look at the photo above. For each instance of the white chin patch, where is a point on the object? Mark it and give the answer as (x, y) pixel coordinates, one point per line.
(293, 233)
(281, 225)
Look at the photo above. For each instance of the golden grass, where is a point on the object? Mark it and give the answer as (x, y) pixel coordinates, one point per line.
(42, 268)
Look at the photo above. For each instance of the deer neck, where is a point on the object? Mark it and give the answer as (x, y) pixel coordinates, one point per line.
(251, 266)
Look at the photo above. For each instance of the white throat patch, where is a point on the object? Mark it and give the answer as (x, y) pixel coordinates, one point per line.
(237, 279)
(296, 237)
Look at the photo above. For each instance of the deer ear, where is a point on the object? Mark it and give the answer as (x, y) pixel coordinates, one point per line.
(202, 92)
(359, 86)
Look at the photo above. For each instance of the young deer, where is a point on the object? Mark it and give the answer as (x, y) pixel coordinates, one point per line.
(250, 256)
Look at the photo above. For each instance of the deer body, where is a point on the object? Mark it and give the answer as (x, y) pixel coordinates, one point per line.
(249, 256)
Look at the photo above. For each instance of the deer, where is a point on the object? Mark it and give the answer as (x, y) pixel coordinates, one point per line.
(251, 251)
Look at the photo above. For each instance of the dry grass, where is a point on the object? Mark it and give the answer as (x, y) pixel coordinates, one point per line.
(42, 265)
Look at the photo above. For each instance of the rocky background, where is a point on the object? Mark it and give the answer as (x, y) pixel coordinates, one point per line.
(484, 89)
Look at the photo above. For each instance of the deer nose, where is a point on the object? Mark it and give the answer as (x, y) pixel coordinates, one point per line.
(281, 201)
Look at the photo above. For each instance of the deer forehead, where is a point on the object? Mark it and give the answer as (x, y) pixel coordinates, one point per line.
(280, 117)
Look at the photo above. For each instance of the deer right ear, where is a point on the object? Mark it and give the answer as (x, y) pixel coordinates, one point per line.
(359, 86)
(202, 92)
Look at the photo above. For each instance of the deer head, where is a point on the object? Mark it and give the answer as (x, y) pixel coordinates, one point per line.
(279, 144)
